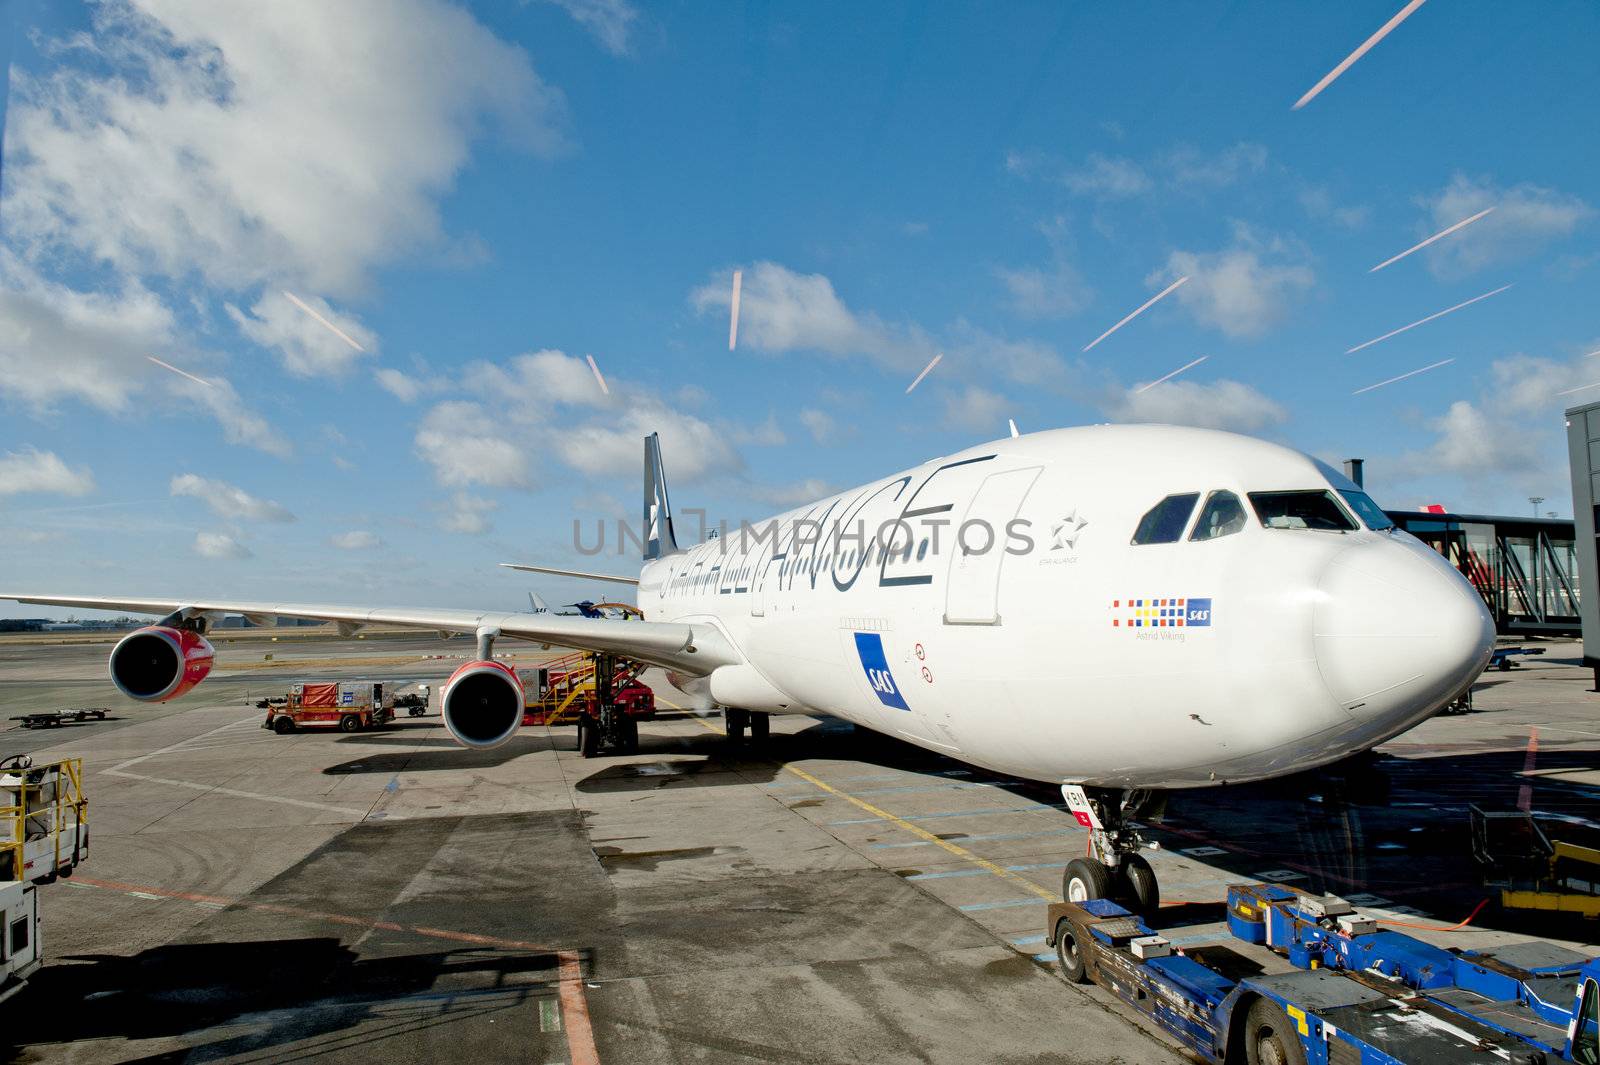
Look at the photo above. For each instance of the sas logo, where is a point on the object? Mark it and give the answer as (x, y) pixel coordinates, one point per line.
(1169, 613)
(869, 647)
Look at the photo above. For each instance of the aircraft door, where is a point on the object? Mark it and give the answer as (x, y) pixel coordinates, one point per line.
(972, 588)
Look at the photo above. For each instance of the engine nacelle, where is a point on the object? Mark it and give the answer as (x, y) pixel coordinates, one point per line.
(482, 704)
(157, 663)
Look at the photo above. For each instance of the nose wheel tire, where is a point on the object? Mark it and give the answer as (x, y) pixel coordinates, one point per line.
(1270, 1036)
(1138, 883)
(1085, 879)
(1072, 955)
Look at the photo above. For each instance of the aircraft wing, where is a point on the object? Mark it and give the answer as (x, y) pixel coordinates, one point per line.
(690, 648)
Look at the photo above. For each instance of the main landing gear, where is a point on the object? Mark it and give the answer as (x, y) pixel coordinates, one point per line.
(737, 721)
(1114, 869)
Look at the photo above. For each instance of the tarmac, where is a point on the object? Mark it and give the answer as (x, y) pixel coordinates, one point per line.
(827, 896)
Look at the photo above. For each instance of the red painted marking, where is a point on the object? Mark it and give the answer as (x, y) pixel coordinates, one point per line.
(575, 1012)
(1525, 793)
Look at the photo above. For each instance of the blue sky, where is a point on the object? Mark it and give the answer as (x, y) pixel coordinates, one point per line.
(461, 188)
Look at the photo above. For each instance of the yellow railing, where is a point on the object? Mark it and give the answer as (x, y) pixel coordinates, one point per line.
(67, 776)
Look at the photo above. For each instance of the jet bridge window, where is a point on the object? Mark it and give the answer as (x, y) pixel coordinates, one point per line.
(1165, 522)
(1223, 515)
(1301, 510)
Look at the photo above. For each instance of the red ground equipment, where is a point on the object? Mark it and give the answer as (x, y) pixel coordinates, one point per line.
(344, 705)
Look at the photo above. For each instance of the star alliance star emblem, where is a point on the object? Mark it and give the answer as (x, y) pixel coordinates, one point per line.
(1065, 532)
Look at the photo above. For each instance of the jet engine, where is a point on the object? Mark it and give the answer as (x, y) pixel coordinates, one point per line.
(482, 704)
(158, 662)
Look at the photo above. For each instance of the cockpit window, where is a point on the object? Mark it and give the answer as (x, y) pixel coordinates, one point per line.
(1223, 515)
(1165, 522)
(1368, 511)
(1301, 510)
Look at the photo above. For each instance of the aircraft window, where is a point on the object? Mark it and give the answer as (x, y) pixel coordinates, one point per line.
(1301, 510)
(1165, 522)
(1370, 512)
(1223, 515)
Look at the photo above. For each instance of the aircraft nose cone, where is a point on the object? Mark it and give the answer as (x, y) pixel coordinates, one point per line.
(1397, 633)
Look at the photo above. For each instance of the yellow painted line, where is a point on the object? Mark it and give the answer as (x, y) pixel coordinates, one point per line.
(900, 822)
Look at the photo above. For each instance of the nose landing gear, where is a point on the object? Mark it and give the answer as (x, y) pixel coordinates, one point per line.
(1114, 868)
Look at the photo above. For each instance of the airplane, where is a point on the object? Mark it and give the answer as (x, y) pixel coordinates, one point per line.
(1120, 610)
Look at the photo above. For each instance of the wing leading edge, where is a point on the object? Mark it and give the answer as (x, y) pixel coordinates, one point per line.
(690, 648)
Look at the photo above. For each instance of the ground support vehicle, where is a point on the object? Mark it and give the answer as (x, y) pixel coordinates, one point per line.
(57, 718)
(601, 692)
(1534, 869)
(44, 833)
(345, 705)
(1344, 993)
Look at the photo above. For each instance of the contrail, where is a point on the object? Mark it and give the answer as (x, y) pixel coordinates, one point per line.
(733, 311)
(1145, 306)
(1402, 377)
(597, 376)
(329, 326)
(1580, 388)
(181, 373)
(1171, 375)
(1465, 222)
(1349, 60)
(925, 370)
(1425, 321)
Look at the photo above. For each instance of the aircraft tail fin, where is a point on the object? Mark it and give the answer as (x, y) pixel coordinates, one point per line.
(659, 539)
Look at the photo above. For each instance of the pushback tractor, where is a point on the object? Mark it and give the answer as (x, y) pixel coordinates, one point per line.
(1340, 990)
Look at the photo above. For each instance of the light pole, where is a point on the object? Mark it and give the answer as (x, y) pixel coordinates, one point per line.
(1536, 500)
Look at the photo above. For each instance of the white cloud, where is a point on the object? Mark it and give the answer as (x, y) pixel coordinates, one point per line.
(256, 142)
(690, 448)
(819, 423)
(1107, 178)
(468, 514)
(229, 501)
(219, 546)
(401, 386)
(356, 540)
(1319, 203)
(1213, 405)
(1241, 290)
(531, 383)
(976, 409)
(768, 434)
(1526, 218)
(308, 348)
(31, 470)
(466, 446)
(609, 20)
(782, 310)
(1192, 169)
(1054, 293)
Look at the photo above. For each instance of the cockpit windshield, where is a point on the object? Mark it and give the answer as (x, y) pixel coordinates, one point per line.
(1368, 511)
(1301, 510)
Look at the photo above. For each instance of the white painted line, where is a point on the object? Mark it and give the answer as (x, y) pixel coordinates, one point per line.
(1464, 223)
(145, 895)
(180, 373)
(1145, 306)
(1349, 60)
(235, 793)
(329, 326)
(733, 311)
(1402, 377)
(1425, 321)
(597, 376)
(1171, 375)
(925, 371)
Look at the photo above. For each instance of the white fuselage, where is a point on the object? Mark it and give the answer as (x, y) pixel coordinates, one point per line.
(1066, 652)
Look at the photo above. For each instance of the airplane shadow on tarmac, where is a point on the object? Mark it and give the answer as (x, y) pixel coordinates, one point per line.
(307, 988)
(455, 757)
